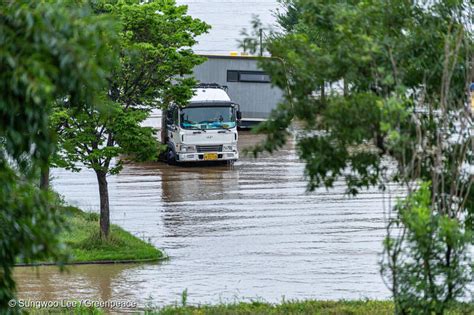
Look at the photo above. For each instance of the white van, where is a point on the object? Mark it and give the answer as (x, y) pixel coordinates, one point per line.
(204, 130)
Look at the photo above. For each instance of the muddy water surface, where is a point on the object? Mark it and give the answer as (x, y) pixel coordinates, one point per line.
(244, 232)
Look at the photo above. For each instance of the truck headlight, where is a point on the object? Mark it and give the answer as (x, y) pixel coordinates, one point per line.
(229, 148)
(187, 148)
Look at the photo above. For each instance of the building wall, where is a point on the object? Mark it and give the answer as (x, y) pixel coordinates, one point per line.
(256, 100)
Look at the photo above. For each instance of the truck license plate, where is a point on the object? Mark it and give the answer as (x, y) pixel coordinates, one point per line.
(210, 156)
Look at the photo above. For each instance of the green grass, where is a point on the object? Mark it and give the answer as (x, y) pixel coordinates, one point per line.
(83, 239)
(291, 307)
(309, 307)
(312, 307)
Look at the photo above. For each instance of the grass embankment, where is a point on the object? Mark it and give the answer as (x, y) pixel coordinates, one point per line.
(292, 307)
(309, 307)
(368, 307)
(83, 240)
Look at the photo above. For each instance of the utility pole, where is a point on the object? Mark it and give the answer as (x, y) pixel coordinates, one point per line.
(260, 31)
(471, 88)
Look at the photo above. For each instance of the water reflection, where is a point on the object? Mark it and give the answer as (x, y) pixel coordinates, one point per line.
(75, 283)
(193, 197)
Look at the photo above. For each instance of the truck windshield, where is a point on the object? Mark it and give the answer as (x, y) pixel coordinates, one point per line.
(215, 117)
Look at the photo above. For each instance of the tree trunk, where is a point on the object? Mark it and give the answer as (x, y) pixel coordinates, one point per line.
(104, 204)
(323, 94)
(346, 88)
(44, 179)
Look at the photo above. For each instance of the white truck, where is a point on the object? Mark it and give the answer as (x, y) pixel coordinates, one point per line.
(204, 130)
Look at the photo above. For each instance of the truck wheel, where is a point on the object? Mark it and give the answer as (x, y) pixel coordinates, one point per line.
(170, 157)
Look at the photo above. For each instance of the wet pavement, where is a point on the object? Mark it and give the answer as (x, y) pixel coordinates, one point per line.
(241, 232)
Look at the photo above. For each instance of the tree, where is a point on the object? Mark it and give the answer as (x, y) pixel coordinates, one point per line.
(398, 74)
(155, 57)
(254, 41)
(48, 51)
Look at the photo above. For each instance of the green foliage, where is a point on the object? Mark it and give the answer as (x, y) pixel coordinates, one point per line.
(48, 51)
(356, 46)
(86, 137)
(378, 91)
(288, 18)
(29, 228)
(155, 50)
(44, 56)
(154, 53)
(434, 264)
(154, 68)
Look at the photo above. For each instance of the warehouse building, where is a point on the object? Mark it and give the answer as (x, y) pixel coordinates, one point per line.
(247, 85)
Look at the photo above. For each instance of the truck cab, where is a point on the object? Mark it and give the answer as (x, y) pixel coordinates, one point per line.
(204, 130)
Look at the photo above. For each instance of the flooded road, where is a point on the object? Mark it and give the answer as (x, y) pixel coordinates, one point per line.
(232, 233)
(250, 231)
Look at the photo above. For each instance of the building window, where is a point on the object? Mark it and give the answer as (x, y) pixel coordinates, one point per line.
(254, 76)
(232, 76)
(247, 76)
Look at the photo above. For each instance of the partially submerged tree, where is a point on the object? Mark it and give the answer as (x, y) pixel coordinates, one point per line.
(385, 85)
(155, 60)
(48, 51)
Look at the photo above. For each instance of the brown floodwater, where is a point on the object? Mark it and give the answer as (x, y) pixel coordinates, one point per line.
(241, 232)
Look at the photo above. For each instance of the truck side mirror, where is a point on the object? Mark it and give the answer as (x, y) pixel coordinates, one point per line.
(169, 117)
(239, 115)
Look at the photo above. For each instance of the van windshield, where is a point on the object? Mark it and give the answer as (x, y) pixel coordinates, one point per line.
(215, 117)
